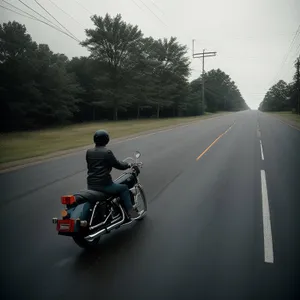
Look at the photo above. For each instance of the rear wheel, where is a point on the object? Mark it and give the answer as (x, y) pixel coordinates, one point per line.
(83, 243)
(140, 203)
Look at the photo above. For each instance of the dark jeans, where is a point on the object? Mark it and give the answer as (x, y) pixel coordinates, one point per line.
(120, 189)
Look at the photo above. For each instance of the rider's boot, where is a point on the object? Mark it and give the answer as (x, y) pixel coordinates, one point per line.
(133, 214)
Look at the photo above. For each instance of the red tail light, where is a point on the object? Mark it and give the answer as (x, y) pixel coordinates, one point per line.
(68, 200)
(65, 225)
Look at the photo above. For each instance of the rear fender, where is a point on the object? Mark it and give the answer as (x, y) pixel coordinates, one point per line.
(72, 221)
(81, 211)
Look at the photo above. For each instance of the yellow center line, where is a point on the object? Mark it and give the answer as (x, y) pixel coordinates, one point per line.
(214, 142)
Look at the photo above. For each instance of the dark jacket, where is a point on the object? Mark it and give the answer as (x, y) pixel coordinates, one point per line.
(100, 162)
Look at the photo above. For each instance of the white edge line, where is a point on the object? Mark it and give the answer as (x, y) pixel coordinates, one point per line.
(261, 150)
(268, 242)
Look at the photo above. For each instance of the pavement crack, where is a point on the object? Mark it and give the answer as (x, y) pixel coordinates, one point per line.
(164, 187)
(38, 188)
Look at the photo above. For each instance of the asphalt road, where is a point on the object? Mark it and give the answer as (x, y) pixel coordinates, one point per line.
(224, 226)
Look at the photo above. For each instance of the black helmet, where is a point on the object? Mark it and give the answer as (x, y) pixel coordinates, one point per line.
(101, 138)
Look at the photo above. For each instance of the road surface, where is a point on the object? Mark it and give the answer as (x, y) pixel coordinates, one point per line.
(223, 226)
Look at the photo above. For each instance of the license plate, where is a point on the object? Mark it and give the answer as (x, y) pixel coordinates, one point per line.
(65, 225)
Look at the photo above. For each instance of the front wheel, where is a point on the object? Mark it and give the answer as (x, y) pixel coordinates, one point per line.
(140, 202)
(83, 243)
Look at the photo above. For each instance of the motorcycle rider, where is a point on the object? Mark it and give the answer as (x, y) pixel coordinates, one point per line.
(100, 162)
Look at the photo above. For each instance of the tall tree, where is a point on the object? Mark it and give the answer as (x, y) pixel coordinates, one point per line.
(283, 96)
(125, 76)
(221, 93)
(277, 98)
(36, 89)
(16, 72)
(118, 44)
(170, 67)
(296, 95)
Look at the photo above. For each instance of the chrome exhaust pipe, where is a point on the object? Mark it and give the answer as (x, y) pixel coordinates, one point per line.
(93, 236)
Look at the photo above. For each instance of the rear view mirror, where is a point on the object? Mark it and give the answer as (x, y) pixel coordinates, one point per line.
(137, 154)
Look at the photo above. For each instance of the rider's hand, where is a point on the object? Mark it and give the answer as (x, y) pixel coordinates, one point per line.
(136, 168)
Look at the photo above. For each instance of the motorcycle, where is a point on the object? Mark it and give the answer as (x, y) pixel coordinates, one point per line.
(88, 214)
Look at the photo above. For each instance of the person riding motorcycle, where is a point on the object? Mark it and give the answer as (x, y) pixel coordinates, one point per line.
(100, 162)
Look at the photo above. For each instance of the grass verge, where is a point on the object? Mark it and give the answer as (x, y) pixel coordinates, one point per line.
(19, 146)
(293, 119)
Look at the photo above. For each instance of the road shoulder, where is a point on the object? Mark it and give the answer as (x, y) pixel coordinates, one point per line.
(288, 119)
(22, 163)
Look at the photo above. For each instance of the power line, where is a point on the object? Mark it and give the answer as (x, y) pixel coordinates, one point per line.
(66, 13)
(23, 11)
(137, 5)
(292, 60)
(153, 13)
(287, 54)
(156, 6)
(28, 13)
(34, 11)
(83, 7)
(56, 19)
(17, 12)
(298, 50)
(36, 19)
(296, 54)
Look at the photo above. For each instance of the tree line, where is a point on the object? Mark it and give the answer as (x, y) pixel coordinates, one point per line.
(284, 96)
(126, 76)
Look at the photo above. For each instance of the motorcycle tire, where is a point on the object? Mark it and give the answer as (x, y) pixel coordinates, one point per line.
(83, 243)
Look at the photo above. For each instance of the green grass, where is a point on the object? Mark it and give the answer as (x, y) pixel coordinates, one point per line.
(24, 145)
(288, 116)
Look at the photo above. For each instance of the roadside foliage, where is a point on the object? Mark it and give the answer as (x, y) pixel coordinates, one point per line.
(283, 96)
(126, 76)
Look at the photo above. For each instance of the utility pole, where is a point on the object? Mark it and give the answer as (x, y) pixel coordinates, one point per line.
(203, 55)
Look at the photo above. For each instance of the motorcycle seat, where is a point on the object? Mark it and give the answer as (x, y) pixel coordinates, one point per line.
(91, 196)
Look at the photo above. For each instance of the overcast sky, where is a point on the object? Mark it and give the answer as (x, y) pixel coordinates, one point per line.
(251, 37)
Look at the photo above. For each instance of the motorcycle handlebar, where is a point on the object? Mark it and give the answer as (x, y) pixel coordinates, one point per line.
(135, 161)
(128, 158)
(138, 164)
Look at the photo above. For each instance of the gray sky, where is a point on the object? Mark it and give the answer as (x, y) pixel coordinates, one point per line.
(251, 37)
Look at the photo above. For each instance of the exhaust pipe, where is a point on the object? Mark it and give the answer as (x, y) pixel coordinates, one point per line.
(93, 236)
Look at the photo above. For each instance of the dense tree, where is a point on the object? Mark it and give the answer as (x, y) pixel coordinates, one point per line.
(277, 98)
(170, 71)
(282, 96)
(118, 45)
(36, 89)
(88, 72)
(221, 93)
(125, 76)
